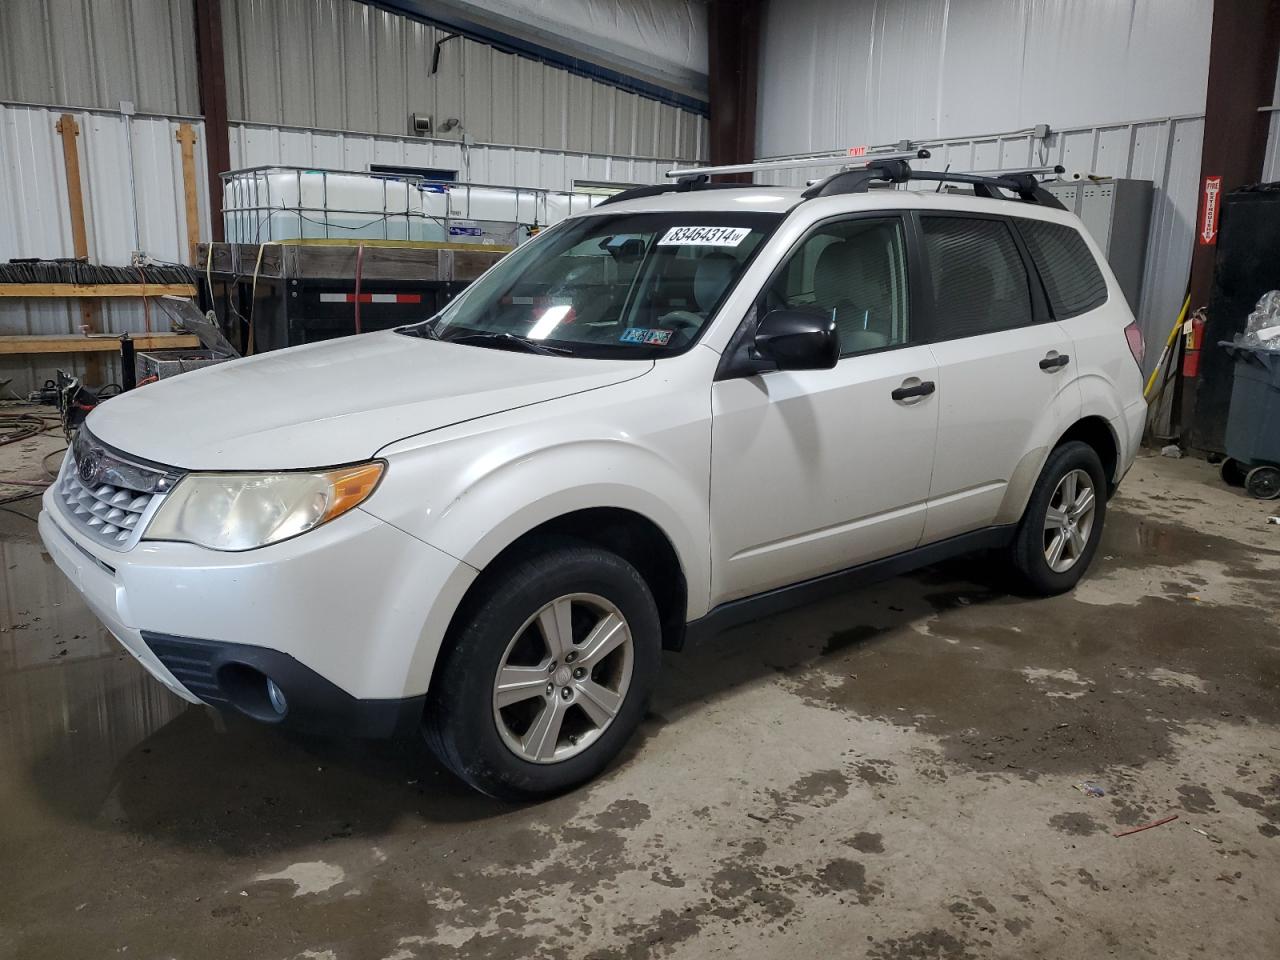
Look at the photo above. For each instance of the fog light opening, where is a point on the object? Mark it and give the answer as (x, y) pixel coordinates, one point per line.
(276, 696)
(252, 692)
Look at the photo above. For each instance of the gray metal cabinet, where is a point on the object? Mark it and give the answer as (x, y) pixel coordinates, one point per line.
(1117, 214)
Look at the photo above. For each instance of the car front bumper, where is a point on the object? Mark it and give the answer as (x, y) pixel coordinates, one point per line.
(350, 615)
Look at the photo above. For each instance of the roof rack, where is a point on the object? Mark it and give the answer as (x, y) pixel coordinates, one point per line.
(1023, 183)
(888, 167)
(683, 185)
(699, 178)
(844, 159)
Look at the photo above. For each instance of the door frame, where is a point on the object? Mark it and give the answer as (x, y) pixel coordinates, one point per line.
(919, 293)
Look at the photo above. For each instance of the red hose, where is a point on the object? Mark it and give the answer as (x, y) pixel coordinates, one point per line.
(359, 271)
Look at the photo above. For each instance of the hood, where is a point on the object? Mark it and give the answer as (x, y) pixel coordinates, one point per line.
(334, 402)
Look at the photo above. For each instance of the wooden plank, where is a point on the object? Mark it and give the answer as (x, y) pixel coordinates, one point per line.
(186, 136)
(73, 343)
(68, 129)
(97, 289)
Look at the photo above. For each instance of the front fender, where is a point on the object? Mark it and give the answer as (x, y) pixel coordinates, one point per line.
(472, 490)
(519, 495)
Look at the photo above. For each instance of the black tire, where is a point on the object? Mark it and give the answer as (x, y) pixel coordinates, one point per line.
(460, 724)
(1263, 483)
(1027, 553)
(1233, 472)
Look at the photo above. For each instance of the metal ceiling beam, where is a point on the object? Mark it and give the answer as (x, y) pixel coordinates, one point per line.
(574, 54)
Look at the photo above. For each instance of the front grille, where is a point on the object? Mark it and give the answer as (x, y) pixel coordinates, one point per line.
(108, 514)
(107, 496)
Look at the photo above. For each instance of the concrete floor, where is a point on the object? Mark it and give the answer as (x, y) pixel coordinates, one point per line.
(888, 775)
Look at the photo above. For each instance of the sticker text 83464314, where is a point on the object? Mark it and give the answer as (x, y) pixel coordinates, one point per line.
(704, 236)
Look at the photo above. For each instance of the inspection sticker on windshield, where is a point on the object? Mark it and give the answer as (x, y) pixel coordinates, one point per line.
(657, 338)
(704, 236)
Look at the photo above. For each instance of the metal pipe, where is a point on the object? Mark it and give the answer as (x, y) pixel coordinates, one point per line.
(133, 188)
(762, 166)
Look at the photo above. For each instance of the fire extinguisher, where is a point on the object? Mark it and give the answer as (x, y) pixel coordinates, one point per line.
(1193, 333)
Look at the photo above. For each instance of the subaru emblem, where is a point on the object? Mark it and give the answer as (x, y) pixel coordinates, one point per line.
(88, 468)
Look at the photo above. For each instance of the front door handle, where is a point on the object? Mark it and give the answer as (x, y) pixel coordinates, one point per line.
(1055, 361)
(921, 388)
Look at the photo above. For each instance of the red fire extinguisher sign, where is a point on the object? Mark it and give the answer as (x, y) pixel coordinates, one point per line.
(1208, 233)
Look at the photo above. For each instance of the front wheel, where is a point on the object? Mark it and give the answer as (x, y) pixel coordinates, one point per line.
(548, 675)
(1060, 530)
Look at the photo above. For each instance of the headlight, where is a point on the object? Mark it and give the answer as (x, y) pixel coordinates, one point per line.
(240, 511)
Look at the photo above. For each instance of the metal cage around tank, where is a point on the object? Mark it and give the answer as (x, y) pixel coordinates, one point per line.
(272, 203)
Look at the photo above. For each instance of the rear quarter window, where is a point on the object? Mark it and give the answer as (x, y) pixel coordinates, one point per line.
(1071, 276)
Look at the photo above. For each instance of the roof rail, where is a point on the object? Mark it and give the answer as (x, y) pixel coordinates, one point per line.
(699, 178)
(683, 185)
(793, 163)
(1022, 183)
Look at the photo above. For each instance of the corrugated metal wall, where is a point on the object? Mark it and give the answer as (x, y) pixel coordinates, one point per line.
(34, 218)
(253, 145)
(1271, 165)
(941, 73)
(1166, 152)
(339, 65)
(836, 73)
(95, 53)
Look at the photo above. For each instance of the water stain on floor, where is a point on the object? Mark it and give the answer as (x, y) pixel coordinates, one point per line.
(891, 774)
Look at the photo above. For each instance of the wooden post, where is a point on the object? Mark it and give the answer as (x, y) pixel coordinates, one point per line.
(68, 129)
(186, 136)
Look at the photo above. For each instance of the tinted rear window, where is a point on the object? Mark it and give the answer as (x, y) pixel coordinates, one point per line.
(1071, 276)
(979, 281)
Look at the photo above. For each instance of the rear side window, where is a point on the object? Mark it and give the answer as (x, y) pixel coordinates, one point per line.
(1071, 276)
(979, 280)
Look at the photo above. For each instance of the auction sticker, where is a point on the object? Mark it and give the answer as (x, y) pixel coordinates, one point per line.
(656, 337)
(704, 236)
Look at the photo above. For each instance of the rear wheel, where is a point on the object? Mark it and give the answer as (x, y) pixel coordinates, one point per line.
(1233, 472)
(548, 675)
(1263, 483)
(1059, 531)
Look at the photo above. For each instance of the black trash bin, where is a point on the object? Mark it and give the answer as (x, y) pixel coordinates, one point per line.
(1253, 423)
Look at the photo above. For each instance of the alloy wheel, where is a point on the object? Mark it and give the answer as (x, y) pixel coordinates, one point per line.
(1069, 520)
(563, 678)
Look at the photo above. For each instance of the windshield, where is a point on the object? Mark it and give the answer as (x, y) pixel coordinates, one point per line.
(632, 285)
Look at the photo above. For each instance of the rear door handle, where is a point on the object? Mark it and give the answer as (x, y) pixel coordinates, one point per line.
(1055, 361)
(921, 389)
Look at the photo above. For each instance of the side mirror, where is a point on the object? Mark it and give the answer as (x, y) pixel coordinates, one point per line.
(798, 340)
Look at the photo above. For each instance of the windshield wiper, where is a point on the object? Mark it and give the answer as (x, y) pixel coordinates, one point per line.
(426, 329)
(509, 341)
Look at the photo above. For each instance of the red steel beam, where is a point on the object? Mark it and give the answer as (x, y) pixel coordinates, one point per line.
(212, 78)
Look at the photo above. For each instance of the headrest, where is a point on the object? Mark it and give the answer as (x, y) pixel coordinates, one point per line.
(711, 277)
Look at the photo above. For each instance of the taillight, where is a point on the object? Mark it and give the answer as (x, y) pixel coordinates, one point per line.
(1138, 347)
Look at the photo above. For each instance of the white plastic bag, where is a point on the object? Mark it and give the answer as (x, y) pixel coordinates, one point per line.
(1263, 328)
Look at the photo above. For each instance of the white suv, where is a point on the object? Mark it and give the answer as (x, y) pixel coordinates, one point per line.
(679, 411)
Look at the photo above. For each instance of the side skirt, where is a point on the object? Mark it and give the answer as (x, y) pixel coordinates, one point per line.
(737, 612)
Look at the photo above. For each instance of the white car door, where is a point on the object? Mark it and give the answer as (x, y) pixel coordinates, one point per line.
(1006, 383)
(815, 471)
